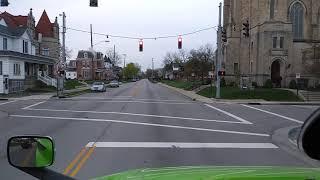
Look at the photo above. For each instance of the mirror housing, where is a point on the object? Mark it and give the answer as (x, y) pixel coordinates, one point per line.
(30, 151)
(308, 140)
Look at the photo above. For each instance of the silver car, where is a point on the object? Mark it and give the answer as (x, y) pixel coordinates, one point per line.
(114, 83)
(98, 86)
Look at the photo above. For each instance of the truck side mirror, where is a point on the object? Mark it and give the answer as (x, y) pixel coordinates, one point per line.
(308, 140)
(30, 151)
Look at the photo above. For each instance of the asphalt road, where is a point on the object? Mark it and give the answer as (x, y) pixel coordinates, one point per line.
(142, 125)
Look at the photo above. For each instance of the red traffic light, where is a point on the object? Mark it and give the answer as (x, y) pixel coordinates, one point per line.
(141, 45)
(221, 73)
(179, 42)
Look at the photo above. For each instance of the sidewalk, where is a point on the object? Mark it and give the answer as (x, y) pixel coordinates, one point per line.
(43, 96)
(192, 95)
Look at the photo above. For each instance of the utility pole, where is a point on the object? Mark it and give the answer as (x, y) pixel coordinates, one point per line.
(91, 36)
(92, 73)
(152, 69)
(60, 80)
(114, 53)
(219, 58)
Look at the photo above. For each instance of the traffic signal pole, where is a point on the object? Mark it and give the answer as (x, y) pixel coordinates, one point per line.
(219, 59)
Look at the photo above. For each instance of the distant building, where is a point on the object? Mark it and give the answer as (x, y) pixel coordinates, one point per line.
(90, 65)
(71, 72)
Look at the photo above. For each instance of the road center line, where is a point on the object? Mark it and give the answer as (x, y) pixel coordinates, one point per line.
(144, 124)
(275, 114)
(143, 115)
(229, 114)
(7, 102)
(36, 104)
(181, 145)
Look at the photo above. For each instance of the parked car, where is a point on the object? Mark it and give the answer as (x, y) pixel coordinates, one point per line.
(98, 86)
(114, 83)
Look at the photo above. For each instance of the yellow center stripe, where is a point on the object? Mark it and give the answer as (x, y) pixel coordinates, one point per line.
(76, 159)
(83, 160)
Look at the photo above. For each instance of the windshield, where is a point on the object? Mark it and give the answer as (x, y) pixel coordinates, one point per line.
(97, 83)
(138, 84)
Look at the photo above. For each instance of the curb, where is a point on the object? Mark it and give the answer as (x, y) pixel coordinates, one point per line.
(285, 139)
(251, 102)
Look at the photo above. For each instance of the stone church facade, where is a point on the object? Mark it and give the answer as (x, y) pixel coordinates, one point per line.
(284, 40)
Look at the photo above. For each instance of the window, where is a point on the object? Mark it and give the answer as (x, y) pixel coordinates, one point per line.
(274, 42)
(83, 63)
(5, 44)
(45, 51)
(235, 68)
(297, 16)
(25, 46)
(16, 69)
(272, 9)
(281, 42)
(251, 66)
(85, 55)
(0, 67)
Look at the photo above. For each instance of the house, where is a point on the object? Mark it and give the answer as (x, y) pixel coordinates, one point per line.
(90, 65)
(71, 71)
(20, 65)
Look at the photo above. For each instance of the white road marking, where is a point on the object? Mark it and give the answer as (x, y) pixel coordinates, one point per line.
(143, 102)
(229, 114)
(7, 102)
(275, 114)
(135, 99)
(36, 104)
(134, 114)
(144, 124)
(181, 145)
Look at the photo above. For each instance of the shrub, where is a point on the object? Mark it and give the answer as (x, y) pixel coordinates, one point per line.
(223, 82)
(268, 84)
(232, 84)
(254, 84)
(293, 84)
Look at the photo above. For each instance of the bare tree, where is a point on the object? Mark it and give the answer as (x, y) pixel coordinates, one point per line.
(115, 57)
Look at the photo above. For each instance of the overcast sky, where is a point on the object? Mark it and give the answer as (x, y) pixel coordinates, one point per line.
(138, 18)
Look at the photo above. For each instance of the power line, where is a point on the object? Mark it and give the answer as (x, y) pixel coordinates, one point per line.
(145, 38)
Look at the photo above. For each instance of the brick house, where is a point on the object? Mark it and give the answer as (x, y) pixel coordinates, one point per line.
(90, 65)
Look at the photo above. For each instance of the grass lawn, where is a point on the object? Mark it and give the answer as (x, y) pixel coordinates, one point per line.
(71, 84)
(186, 85)
(266, 94)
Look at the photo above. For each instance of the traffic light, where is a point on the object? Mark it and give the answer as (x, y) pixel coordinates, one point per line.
(224, 35)
(246, 29)
(221, 73)
(4, 3)
(93, 3)
(141, 45)
(180, 42)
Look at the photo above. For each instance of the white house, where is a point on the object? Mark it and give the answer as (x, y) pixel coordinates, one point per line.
(71, 72)
(19, 66)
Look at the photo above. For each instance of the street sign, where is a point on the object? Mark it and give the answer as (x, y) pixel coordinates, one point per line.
(298, 75)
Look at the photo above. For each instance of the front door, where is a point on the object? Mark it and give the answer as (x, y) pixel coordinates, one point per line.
(275, 73)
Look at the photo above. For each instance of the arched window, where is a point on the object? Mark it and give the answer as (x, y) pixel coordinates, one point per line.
(297, 15)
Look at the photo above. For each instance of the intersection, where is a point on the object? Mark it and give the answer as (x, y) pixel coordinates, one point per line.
(144, 125)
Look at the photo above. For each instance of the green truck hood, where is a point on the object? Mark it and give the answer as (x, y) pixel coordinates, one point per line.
(218, 173)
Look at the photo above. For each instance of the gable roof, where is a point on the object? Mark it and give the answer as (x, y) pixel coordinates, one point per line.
(14, 21)
(17, 32)
(44, 26)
